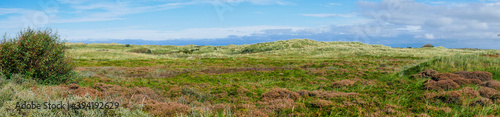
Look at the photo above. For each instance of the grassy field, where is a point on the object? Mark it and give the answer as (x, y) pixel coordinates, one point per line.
(297, 77)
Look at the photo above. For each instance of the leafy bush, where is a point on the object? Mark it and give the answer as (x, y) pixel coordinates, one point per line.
(37, 54)
(127, 45)
(142, 50)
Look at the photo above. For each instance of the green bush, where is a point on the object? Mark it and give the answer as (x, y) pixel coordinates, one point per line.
(36, 54)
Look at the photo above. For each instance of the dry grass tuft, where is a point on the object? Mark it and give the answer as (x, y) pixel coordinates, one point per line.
(279, 93)
(492, 84)
(481, 75)
(483, 102)
(484, 96)
(113, 91)
(321, 103)
(148, 98)
(278, 105)
(252, 111)
(327, 95)
(343, 83)
(73, 86)
(425, 74)
(475, 81)
(422, 115)
(322, 78)
(306, 93)
(491, 55)
(86, 90)
(469, 92)
(443, 109)
(445, 76)
(446, 81)
(164, 109)
(461, 81)
(440, 85)
(145, 91)
(451, 97)
(489, 93)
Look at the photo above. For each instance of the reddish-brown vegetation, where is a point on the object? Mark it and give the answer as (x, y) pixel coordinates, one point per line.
(425, 74)
(489, 93)
(443, 109)
(483, 102)
(480, 75)
(484, 96)
(82, 91)
(492, 55)
(278, 105)
(164, 109)
(468, 92)
(446, 81)
(445, 76)
(279, 93)
(343, 83)
(321, 103)
(492, 84)
(326, 95)
(440, 85)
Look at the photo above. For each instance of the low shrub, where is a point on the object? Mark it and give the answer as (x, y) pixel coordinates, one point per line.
(36, 54)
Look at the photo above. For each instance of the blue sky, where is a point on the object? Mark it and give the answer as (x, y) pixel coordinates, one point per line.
(397, 23)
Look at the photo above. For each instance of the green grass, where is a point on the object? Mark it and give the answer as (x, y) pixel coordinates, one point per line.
(229, 80)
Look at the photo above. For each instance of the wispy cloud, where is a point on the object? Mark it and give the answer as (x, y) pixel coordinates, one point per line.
(328, 15)
(114, 10)
(334, 4)
(461, 21)
(5, 11)
(191, 33)
(257, 2)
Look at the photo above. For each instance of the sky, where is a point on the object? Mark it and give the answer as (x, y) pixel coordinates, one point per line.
(396, 23)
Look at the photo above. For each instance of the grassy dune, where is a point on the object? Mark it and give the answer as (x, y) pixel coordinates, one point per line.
(296, 77)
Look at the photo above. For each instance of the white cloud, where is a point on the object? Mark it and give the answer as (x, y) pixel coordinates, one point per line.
(410, 28)
(426, 36)
(192, 33)
(460, 21)
(439, 2)
(334, 4)
(257, 2)
(328, 15)
(5, 11)
(113, 10)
